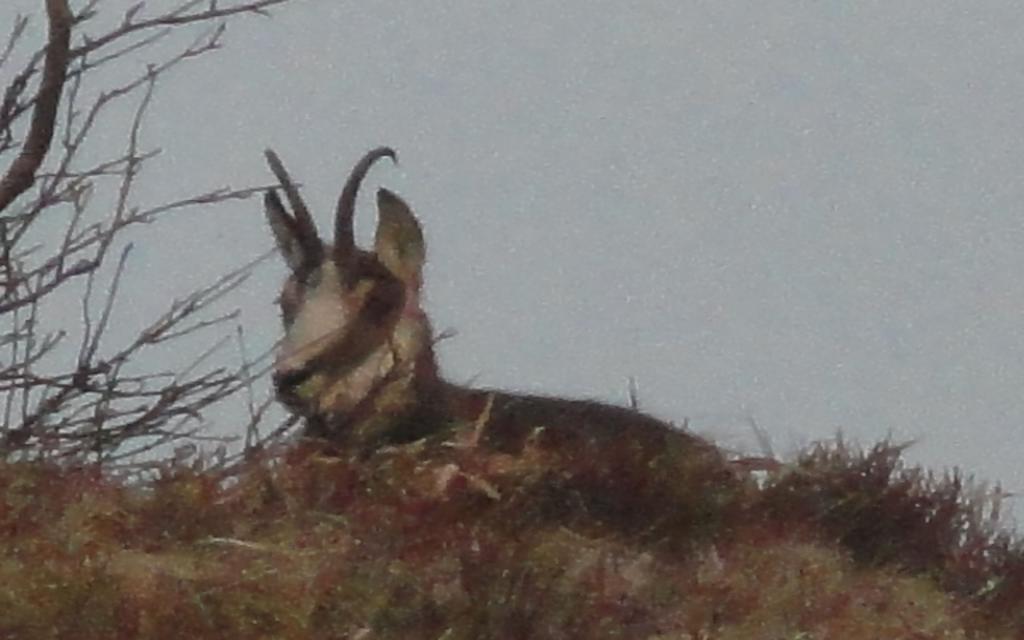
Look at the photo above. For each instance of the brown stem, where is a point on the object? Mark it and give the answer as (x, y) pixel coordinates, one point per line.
(22, 172)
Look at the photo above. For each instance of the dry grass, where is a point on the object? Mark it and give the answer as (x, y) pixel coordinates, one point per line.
(434, 541)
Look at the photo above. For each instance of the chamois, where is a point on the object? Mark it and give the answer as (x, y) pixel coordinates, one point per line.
(357, 361)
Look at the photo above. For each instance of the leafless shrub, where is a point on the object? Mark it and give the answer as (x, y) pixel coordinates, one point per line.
(71, 385)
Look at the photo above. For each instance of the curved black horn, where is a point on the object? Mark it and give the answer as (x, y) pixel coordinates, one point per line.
(344, 240)
(305, 227)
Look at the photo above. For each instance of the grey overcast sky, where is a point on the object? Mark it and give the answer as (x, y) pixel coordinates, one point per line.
(805, 213)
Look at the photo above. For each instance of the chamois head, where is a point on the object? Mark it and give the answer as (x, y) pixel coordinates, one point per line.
(355, 331)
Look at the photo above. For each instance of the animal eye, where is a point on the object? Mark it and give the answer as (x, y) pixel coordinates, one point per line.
(308, 278)
(383, 298)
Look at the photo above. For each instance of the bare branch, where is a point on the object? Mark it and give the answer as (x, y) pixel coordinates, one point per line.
(17, 31)
(175, 17)
(22, 172)
(91, 343)
(104, 398)
(252, 433)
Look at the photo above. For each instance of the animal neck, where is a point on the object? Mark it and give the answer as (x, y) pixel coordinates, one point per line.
(396, 394)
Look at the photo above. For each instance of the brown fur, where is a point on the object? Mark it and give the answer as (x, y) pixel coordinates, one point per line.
(358, 359)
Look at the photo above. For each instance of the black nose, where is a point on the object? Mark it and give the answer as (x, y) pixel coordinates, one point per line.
(286, 381)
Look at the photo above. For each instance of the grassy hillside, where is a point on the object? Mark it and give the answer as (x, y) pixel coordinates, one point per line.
(436, 541)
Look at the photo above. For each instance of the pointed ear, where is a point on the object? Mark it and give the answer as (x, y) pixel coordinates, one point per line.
(399, 242)
(286, 232)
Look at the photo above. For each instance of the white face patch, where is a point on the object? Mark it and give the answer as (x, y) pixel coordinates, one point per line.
(322, 316)
(345, 393)
(328, 314)
(393, 361)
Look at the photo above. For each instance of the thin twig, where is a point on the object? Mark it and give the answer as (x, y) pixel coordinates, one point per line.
(176, 17)
(17, 30)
